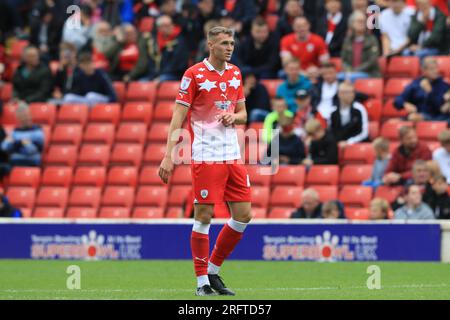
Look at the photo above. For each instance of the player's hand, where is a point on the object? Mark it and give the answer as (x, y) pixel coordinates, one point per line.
(165, 169)
(227, 119)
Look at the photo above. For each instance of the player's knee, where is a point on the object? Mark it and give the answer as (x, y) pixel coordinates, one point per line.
(204, 214)
(244, 217)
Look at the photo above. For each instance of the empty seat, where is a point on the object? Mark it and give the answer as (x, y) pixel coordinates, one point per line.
(390, 112)
(114, 213)
(154, 153)
(57, 176)
(61, 155)
(259, 213)
(118, 197)
(6, 91)
(358, 153)
(122, 176)
(163, 111)
(374, 130)
(429, 130)
(151, 197)
(326, 193)
(94, 155)
(21, 197)
(390, 194)
(280, 213)
(25, 177)
(168, 90)
(272, 21)
(356, 196)
(286, 196)
(393, 87)
(357, 213)
(100, 133)
(390, 129)
(148, 213)
(158, 132)
(86, 197)
(81, 213)
(43, 113)
(178, 195)
(141, 91)
(119, 88)
(90, 176)
(403, 67)
(260, 196)
(67, 134)
(52, 197)
(146, 24)
(182, 175)
(73, 113)
(48, 213)
(174, 213)
(271, 86)
(372, 87)
(9, 114)
(374, 108)
(149, 176)
(355, 173)
(105, 112)
(323, 175)
(131, 133)
(444, 65)
(17, 48)
(129, 154)
(289, 175)
(137, 112)
(256, 176)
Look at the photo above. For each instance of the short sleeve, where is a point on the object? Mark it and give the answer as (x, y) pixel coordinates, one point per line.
(323, 49)
(240, 94)
(187, 91)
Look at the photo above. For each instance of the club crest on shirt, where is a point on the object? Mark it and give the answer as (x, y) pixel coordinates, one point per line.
(310, 47)
(204, 193)
(223, 86)
(185, 82)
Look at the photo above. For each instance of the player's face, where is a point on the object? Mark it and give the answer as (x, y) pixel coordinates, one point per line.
(222, 47)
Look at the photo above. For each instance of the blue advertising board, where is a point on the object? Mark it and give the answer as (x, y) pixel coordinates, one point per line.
(271, 241)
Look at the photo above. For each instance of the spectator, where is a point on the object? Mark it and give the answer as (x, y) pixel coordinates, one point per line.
(311, 206)
(127, 55)
(332, 26)
(308, 47)
(294, 82)
(349, 123)
(305, 111)
(424, 97)
(360, 51)
(242, 11)
(258, 53)
(421, 174)
(442, 154)
(414, 207)
(79, 32)
(102, 43)
(403, 157)
(322, 145)
(292, 10)
(313, 74)
(382, 157)
(169, 57)
(257, 99)
(6, 209)
(4, 159)
(330, 210)
(394, 25)
(438, 198)
(277, 118)
(32, 81)
(427, 30)
(89, 85)
(445, 109)
(64, 75)
(26, 142)
(379, 209)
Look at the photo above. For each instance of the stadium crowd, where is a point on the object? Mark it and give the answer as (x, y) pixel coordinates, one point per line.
(318, 49)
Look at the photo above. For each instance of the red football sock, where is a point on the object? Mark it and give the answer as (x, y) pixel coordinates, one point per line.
(200, 252)
(225, 244)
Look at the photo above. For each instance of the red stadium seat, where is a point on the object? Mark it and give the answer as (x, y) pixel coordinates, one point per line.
(137, 112)
(281, 213)
(358, 153)
(146, 24)
(122, 176)
(168, 90)
(429, 130)
(444, 65)
(151, 197)
(86, 197)
(26, 213)
(355, 173)
(326, 193)
(73, 113)
(323, 175)
(154, 153)
(163, 111)
(259, 213)
(67, 134)
(374, 130)
(6, 91)
(289, 175)
(372, 87)
(256, 178)
(337, 61)
(395, 86)
(90, 176)
(48, 213)
(17, 48)
(374, 108)
(390, 129)
(141, 91)
(272, 20)
(81, 213)
(178, 195)
(119, 88)
(118, 197)
(158, 132)
(99, 133)
(127, 154)
(131, 133)
(357, 213)
(21, 197)
(114, 213)
(148, 213)
(24, 177)
(260, 196)
(149, 176)
(52, 197)
(182, 175)
(105, 112)
(61, 155)
(408, 67)
(286, 196)
(390, 194)
(43, 113)
(9, 114)
(174, 213)
(356, 196)
(93, 155)
(271, 86)
(382, 63)
(389, 112)
(57, 177)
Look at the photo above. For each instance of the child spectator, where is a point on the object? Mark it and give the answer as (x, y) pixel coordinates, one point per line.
(382, 157)
(379, 209)
(322, 145)
(331, 210)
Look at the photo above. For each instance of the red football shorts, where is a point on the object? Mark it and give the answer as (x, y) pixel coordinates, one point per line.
(216, 183)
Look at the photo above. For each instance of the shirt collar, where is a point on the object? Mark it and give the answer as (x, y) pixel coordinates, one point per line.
(210, 67)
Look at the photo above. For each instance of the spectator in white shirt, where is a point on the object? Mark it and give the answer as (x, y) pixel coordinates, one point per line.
(442, 155)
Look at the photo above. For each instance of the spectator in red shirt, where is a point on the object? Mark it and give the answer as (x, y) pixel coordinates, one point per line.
(308, 47)
(410, 149)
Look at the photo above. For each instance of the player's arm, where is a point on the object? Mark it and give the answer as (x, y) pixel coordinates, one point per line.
(238, 117)
(166, 167)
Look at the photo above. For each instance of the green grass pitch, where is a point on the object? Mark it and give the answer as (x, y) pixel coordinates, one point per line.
(20, 279)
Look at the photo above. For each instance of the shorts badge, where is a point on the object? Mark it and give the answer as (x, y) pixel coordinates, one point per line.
(204, 193)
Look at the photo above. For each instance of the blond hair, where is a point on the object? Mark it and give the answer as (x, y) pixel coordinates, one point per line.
(215, 31)
(381, 204)
(312, 126)
(444, 136)
(381, 144)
